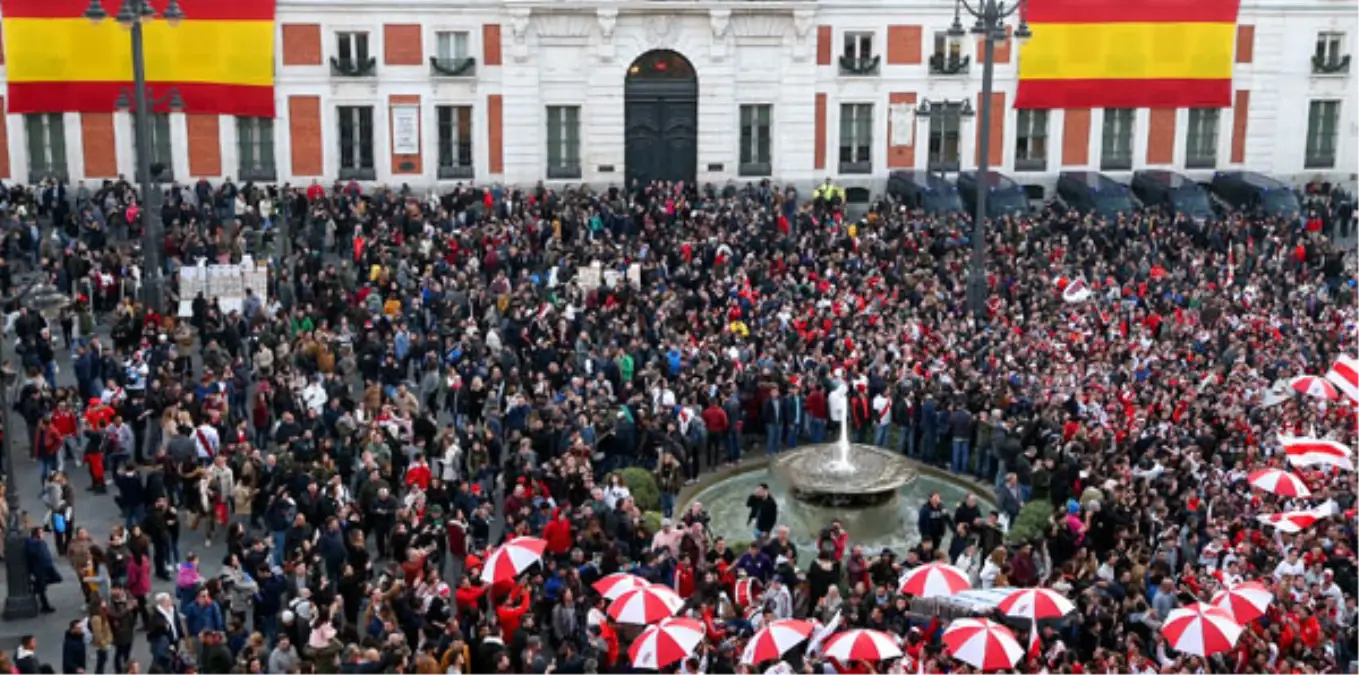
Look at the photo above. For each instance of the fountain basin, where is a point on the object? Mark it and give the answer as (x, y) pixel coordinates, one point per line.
(849, 474)
(888, 522)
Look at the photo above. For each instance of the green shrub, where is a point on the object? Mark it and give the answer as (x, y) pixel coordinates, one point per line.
(1032, 521)
(651, 520)
(642, 485)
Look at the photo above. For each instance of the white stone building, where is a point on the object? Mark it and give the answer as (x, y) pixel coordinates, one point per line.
(516, 91)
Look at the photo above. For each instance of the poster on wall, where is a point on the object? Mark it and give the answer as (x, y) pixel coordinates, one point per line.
(405, 130)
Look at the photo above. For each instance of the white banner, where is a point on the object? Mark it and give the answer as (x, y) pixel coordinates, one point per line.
(405, 130)
(902, 117)
(226, 283)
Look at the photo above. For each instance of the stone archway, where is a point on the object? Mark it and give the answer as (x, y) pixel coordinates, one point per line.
(660, 125)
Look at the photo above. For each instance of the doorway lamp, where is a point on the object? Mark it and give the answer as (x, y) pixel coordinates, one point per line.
(989, 28)
(133, 16)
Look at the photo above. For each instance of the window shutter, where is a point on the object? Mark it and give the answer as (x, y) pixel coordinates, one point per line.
(554, 136)
(573, 137)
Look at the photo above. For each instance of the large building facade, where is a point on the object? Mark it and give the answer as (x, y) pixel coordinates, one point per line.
(425, 92)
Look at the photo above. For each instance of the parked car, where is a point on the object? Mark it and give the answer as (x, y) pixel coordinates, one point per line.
(1091, 192)
(1003, 195)
(1249, 191)
(925, 191)
(1172, 193)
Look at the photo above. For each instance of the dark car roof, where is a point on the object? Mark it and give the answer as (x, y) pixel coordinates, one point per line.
(1094, 180)
(994, 180)
(928, 180)
(1168, 179)
(1252, 179)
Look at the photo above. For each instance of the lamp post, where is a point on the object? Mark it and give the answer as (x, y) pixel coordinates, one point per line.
(132, 15)
(20, 602)
(989, 28)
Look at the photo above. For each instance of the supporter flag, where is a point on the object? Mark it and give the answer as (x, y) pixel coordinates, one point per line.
(1344, 374)
(1077, 291)
(1120, 54)
(219, 59)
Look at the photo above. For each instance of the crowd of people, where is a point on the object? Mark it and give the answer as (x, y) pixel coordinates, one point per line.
(428, 376)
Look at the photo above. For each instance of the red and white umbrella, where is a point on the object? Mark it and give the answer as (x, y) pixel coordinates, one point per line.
(1314, 386)
(934, 580)
(1244, 602)
(983, 643)
(512, 558)
(861, 644)
(619, 583)
(1036, 604)
(1344, 374)
(665, 643)
(646, 605)
(1077, 291)
(1303, 451)
(1279, 482)
(1201, 630)
(773, 641)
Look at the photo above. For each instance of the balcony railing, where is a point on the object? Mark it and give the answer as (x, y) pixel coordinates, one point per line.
(941, 64)
(353, 67)
(1330, 66)
(453, 67)
(859, 66)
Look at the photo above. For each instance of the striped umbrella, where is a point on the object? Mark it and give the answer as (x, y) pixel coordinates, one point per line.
(1036, 604)
(1201, 630)
(934, 580)
(1244, 602)
(665, 643)
(618, 583)
(512, 558)
(1304, 451)
(861, 644)
(982, 643)
(1279, 482)
(1314, 386)
(646, 605)
(774, 640)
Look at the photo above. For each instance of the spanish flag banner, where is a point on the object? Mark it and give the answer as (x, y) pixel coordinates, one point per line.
(220, 58)
(1128, 54)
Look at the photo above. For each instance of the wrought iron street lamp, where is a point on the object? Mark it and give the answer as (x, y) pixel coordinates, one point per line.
(133, 15)
(20, 602)
(989, 28)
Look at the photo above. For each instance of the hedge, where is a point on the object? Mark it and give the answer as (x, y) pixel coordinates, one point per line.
(1032, 522)
(642, 485)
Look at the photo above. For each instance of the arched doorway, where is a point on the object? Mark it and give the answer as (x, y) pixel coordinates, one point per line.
(660, 118)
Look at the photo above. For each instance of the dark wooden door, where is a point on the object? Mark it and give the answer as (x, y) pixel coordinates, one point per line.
(661, 119)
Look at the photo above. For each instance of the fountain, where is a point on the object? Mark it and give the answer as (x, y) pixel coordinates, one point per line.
(874, 492)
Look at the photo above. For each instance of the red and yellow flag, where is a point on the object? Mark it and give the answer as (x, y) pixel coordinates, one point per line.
(220, 58)
(1128, 54)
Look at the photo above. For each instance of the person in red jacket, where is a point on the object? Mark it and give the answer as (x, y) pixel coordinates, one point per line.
(717, 424)
(468, 596)
(511, 614)
(97, 418)
(557, 534)
(418, 473)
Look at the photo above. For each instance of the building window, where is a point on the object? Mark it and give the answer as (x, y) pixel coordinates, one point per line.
(351, 55)
(46, 146)
(858, 57)
(948, 57)
(352, 48)
(1118, 129)
(356, 142)
(1201, 140)
(255, 148)
(1031, 140)
(160, 146)
(1322, 119)
(563, 141)
(453, 55)
(1330, 56)
(946, 121)
(856, 138)
(756, 128)
(455, 141)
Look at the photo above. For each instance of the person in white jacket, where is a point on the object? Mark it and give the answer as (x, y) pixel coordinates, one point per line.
(969, 561)
(992, 567)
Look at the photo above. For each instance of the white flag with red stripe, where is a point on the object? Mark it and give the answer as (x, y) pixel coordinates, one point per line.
(1344, 374)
